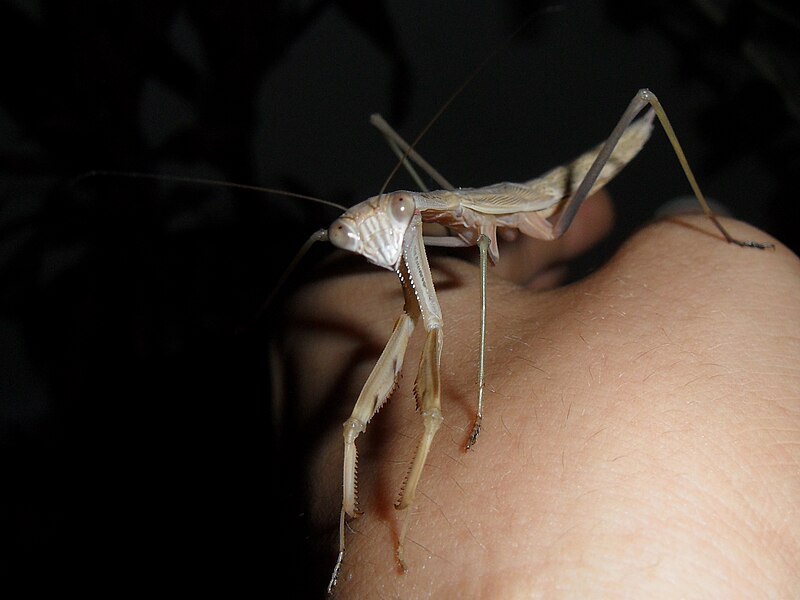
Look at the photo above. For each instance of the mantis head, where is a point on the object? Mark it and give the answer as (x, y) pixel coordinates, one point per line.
(375, 228)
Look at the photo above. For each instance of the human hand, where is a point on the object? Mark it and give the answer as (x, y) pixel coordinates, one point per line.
(641, 435)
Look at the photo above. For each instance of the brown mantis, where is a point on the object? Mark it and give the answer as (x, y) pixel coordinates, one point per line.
(387, 230)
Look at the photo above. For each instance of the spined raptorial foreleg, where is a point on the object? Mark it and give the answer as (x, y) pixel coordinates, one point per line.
(420, 301)
(427, 389)
(417, 279)
(377, 389)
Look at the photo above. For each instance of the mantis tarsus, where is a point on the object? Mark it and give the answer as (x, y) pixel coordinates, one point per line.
(387, 230)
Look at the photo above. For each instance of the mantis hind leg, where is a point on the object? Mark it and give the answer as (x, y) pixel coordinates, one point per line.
(643, 98)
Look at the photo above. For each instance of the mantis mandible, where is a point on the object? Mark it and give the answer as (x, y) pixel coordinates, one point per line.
(387, 230)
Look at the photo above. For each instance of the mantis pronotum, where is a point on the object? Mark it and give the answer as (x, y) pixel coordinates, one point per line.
(387, 230)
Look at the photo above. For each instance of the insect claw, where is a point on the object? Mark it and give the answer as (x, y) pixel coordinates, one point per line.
(750, 243)
(759, 245)
(401, 562)
(476, 429)
(401, 539)
(335, 575)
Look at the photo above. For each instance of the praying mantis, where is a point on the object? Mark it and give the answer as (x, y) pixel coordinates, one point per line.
(387, 230)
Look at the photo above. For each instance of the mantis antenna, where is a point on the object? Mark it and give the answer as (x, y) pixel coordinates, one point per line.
(318, 236)
(200, 181)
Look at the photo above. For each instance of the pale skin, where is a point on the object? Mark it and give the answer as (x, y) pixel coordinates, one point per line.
(641, 436)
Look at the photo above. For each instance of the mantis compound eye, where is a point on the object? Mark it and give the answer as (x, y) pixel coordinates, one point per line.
(343, 235)
(402, 208)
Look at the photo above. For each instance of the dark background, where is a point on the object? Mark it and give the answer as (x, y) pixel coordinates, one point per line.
(139, 445)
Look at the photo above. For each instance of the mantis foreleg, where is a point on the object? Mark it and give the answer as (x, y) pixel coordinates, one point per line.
(379, 386)
(420, 301)
(427, 387)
